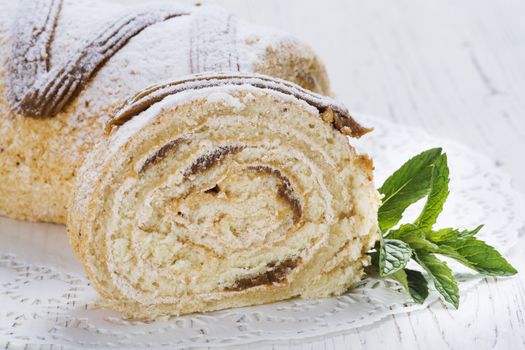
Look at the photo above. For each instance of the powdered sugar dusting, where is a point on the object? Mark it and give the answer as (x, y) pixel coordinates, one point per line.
(30, 49)
(215, 93)
(338, 114)
(213, 35)
(226, 99)
(38, 90)
(207, 38)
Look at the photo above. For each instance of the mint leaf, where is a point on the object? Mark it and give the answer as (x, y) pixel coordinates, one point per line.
(418, 285)
(414, 282)
(450, 234)
(393, 256)
(478, 256)
(406, 186)
(413, 236)
(427, 175)
(471, 252)
(441, 275)
(437, 195)
(470, 233)
(401, 277)
(443, 235)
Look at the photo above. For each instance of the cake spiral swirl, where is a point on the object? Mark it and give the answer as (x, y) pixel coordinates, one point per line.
(223, 192)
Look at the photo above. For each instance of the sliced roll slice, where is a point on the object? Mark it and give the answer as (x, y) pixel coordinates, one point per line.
(221, 191)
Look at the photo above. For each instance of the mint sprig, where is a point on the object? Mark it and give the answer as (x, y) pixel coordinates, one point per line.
(406, 186)
(427, 176)
(394, 255)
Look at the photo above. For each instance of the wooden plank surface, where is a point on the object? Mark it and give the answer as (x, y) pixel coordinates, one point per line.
(454, 68)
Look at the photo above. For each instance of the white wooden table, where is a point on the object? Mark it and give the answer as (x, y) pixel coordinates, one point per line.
(454, 68)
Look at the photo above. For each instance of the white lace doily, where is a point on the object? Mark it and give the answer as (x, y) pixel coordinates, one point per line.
(45, 298)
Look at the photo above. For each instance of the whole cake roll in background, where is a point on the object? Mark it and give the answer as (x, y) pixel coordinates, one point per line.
(196, 164)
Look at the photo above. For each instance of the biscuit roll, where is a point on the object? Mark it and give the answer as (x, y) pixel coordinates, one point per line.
(223, 190)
